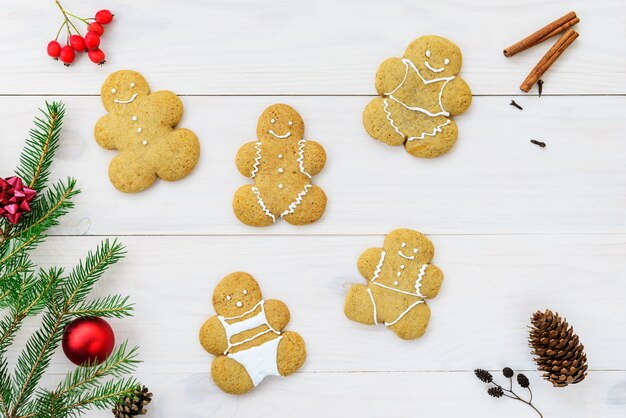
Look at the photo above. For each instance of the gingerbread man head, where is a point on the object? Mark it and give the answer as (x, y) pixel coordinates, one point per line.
(280, 122)
(123, 88)
(435, 57)
(236, 294)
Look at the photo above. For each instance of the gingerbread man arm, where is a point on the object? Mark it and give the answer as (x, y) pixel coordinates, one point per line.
(167, 107)
(368, 261)
(277, 314)
(431, 282)
(246, 158)
(389, 75)
(213, 336)
(460, 101)
(105, 134)
(314, 157)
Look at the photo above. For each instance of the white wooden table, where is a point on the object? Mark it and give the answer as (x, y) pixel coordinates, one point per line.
(516, 227)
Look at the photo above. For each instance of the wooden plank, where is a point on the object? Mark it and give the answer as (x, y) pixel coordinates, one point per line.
(194, 395)
(493, 181)
(310, 47)
(492, 285)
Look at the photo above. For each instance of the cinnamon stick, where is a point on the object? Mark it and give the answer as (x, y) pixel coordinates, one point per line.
(548, 59)
(543, 34)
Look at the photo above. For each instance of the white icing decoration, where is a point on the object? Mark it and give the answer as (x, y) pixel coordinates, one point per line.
(401, 254)
(408, 63)
(257, 160)
(134, 118)
(431, 68)
(245, 292)
(257, 193)
(398, 274)
(414, 250)
(239, 304)
(259, 361)
(280, 186)
(396, 283)
(427, 54)
(113, 91)
(273, 121)
(379, 266)
(280, 170)
(287, 135)
(446, 61)
(369, 292)
(413, 305)
(292, 206)
(139, 130)
(290, 123)
(144, 142)
(397, 290)
(300, 159)
(132, 99)
(402, 266)
(403, 244)
(132, 85)
(418, 282)
(227, 297)
(280, 155)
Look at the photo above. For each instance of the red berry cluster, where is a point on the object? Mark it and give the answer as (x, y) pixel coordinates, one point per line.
(75, 42)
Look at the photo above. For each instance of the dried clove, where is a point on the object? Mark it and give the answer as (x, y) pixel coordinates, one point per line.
(541, 144)
(516, 105)
(540, 86)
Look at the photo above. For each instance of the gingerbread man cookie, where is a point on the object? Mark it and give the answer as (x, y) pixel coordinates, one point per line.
(247, 336)
(142, 126)
(420, 93)
(399, 279)
(281, 163)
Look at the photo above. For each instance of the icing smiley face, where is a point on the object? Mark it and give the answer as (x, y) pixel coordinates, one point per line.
(123, 88)
(280, 122)
(236, 294)
(435, 57)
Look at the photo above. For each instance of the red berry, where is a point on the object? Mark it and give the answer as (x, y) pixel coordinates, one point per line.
(92, 40)
(77, 42)
(104, 17)
(67, 55)
(54, 49)
(96, 56)
(96, 28)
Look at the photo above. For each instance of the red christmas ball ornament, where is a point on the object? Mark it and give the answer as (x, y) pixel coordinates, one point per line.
(92, 40)
(88, 339)
(67, 55)
(14, 198)
(54, 49)
(96, 56)
(104, 17)
(77, 42)
(96, 28)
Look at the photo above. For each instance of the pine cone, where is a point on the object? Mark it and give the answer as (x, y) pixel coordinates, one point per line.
(133, 405)
(557, 350)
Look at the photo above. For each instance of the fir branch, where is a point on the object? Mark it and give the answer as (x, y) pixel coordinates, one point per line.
(43, 141)
(103, 397)
(113, 306)
(81, 280)
(5, 386)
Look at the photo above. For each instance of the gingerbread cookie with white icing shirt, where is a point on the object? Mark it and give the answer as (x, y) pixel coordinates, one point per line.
(247, 336)
(419, 95)
(281, 163)
(142, 126)
(399, 280)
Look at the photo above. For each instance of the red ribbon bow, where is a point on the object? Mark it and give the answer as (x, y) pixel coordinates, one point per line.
(14, 198)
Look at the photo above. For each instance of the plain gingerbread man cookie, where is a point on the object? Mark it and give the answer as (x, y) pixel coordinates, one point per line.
(142, 126)
(281, 163)
(419, 94)
(247, 336)
(399, 279)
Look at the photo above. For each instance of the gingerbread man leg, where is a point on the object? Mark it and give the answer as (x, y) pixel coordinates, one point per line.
(231, 376)
(129, 174)
(434, 146)
(179, 155)
(413, 324)
(310, 209)
(378, 126)
(247, 208)
(291, 353)
(358, 306)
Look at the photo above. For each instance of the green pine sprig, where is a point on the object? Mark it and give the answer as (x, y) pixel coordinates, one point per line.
(58, 297)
